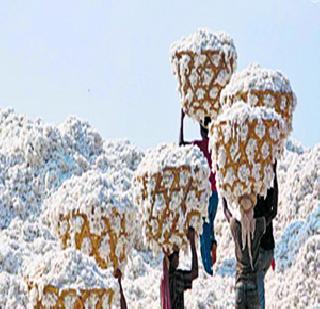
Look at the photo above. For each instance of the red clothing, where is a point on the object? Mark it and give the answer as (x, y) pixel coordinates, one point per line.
(203, 145)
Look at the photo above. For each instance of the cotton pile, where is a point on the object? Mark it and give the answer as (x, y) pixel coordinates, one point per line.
(258, 86)
(203, 64)
(91, 213)
(36, 161)
(70, 278)
(25, 239)
(295, 281)
(172, 191)
(245, 142)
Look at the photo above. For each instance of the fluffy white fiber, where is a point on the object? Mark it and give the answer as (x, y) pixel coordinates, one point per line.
(23, 238)
(249, 171)
(161, 192)
(68, 269)
(203, 40)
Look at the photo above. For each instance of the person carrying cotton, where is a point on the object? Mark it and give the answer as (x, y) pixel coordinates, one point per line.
(172, 192)
(261, 87)
(203, 63)
(246, 142)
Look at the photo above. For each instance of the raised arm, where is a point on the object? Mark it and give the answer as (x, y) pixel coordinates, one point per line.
(274, 210)
(227, 212)
(181, 137)
(195, 269)
(123, 304)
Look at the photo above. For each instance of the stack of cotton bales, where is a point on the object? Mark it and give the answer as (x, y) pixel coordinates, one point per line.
(203, 64)
(172, 191)
(93, 214)
(248, 136)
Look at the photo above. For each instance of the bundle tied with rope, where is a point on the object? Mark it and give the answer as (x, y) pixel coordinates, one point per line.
(92, 214)
(70, 279)
(203, 64)
(172, 192)
(260, 87)
(245, 141)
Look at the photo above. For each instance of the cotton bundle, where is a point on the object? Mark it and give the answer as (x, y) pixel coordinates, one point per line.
(245, 142)
(70, 279)
(172, 191)
(203, 64)
(261, 87)
(94, 214)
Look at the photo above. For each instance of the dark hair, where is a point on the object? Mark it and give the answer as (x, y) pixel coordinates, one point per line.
(206, 122)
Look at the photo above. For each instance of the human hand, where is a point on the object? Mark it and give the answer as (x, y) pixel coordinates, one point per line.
(118, 274)
(182, 114)
(275, 166)
(191, 234)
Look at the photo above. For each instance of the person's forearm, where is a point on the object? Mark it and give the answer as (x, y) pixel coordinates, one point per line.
(123, 304)
(227, 212)
(194, 261)
(181, 137)
(275, 196)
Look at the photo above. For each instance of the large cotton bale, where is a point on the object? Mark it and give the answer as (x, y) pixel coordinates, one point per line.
(203, 64)
(245, 142)
(172, 191)
(94, 214)
(70, 279)
(262, 87)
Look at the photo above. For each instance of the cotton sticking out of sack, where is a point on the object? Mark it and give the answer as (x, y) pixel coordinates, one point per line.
(93, 213)
(70, 279)
(203, 64)
(172, 191)
(245, 142)
(262, 87)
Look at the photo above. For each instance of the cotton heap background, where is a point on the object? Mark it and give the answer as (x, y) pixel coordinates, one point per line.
(37, 159)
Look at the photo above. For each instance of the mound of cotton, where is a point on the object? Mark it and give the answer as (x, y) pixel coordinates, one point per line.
(245, 142)
(262, 87)
(65, 270)
(202, 63)
(172, 190)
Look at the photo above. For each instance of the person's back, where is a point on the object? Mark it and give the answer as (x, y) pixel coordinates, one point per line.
(244, 269)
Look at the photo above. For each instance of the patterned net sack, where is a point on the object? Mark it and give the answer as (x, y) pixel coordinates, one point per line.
(203, 64)
(92, 214)
(172, 191)
(261, 87)
(69, 279)
(245, 141)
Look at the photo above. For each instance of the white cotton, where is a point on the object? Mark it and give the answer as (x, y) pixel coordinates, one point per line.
(178, 168)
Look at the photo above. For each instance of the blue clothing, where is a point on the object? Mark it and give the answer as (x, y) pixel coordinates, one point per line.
(207, 237)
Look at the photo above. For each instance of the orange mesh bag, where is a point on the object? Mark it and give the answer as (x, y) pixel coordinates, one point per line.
(203, 64)
(172, 191)
(245, 142)
(70, 279)
(261, 87)
(90, 213)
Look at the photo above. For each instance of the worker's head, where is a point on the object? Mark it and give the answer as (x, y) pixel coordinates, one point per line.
(204, 128)
(247, 202)
(174, 259)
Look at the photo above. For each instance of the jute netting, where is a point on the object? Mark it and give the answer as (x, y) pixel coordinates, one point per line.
(262, 88)
(90, 213)
(53, 297)
(108, 246)
(173, 198)
(203, 65)
(245, 143)
(70, 279)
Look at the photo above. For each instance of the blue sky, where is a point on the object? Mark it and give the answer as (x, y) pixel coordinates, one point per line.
(108, 61)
